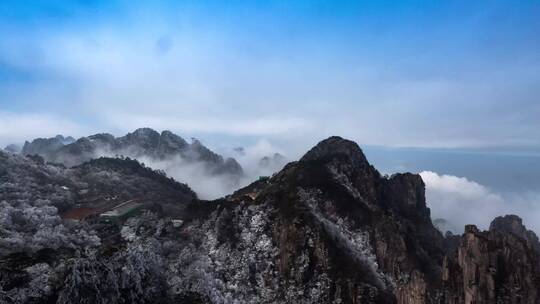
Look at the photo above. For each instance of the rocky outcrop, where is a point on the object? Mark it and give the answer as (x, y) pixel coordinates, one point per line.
(491, 267)
(513, 224)
(170, 143)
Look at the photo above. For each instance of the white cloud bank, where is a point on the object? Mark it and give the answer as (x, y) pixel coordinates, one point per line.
(461, 201)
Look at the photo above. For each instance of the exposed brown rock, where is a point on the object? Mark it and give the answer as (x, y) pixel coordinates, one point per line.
(492, 267)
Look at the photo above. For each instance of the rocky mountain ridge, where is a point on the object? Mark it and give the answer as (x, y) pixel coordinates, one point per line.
(140, 144)
(328, 228)
(336, 231)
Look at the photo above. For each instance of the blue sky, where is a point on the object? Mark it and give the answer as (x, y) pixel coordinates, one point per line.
(450, 74)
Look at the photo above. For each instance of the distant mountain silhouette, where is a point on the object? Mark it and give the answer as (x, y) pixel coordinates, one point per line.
(141, 143)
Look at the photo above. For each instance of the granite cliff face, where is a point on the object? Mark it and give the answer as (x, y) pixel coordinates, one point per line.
(325, 229)
(512, 224)
(492, 267)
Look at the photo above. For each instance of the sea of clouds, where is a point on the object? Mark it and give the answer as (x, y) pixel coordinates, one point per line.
(461, 201)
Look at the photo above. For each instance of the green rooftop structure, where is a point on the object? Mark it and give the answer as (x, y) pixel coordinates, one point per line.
(122, 211)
